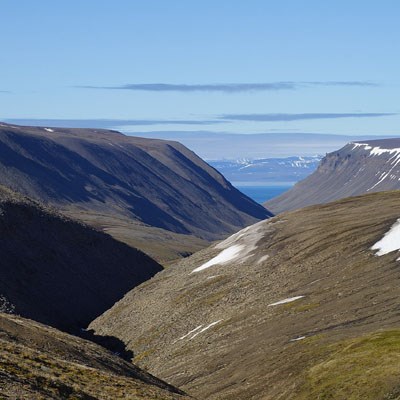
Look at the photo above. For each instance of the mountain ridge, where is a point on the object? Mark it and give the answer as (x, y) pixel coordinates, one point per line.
(357, 168)
(96, 175)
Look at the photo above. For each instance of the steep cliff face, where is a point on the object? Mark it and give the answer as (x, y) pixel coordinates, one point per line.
(357, 168)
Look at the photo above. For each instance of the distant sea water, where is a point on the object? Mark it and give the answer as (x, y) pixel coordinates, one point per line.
(260, 194)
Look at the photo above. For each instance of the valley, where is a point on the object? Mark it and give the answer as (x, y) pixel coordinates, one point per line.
(199, 200)
(276, 310)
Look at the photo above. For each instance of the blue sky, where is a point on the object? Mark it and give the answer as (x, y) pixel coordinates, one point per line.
(230, 66)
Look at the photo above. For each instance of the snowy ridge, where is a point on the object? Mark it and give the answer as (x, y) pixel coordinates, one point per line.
(393, 161)
(377, 150)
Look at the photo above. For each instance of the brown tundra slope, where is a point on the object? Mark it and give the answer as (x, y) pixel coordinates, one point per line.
(59, 271)
(40, 363)
(357, 168)
(153, 194)
(295, 307)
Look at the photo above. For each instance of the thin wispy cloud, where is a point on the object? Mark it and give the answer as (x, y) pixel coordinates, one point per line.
(228, 87)
(220, 119)
(341, 83)
(107, 123)
(297, 117)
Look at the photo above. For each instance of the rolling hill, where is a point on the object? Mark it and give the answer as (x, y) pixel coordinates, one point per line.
(295, 307)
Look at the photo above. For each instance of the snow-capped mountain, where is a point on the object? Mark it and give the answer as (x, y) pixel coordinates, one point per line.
(267, 170)
(357, 168)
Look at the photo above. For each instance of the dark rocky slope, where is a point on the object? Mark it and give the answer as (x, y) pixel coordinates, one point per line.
(99, 175)
(302, 308)
(357, 168)
(39, 362)
(59, 271)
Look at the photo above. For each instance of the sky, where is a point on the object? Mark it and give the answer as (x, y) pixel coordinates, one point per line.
(213, 65)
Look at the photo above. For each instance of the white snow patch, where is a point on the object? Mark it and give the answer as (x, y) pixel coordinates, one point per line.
(205, 328)
(49, 130)
(390, 241)
(262, 259)
(238, 247)
(289, 300)
(377, 150)
(297, 339)
(189, 333)
(393, 161)
(225, 256)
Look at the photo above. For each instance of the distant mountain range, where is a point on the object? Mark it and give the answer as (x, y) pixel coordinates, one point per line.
(224, 145)
(230, 146)
(266, 171)
(156, 195)
(359, 167)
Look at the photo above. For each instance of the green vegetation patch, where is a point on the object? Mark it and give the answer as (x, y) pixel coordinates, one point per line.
(365, 368)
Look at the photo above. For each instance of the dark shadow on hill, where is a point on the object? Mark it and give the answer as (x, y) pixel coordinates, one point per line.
(111, 343)
(60, 272)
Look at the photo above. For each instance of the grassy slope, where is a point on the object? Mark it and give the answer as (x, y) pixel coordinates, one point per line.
(321, 252)
(365, 367)
(38, 362)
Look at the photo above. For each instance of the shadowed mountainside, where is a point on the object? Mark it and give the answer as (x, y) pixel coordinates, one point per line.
(295, 307)
(59, 271)
(357, 168)
(39, 362)
(96, 175)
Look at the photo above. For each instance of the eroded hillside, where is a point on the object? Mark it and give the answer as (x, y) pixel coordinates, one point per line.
(296, 307)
